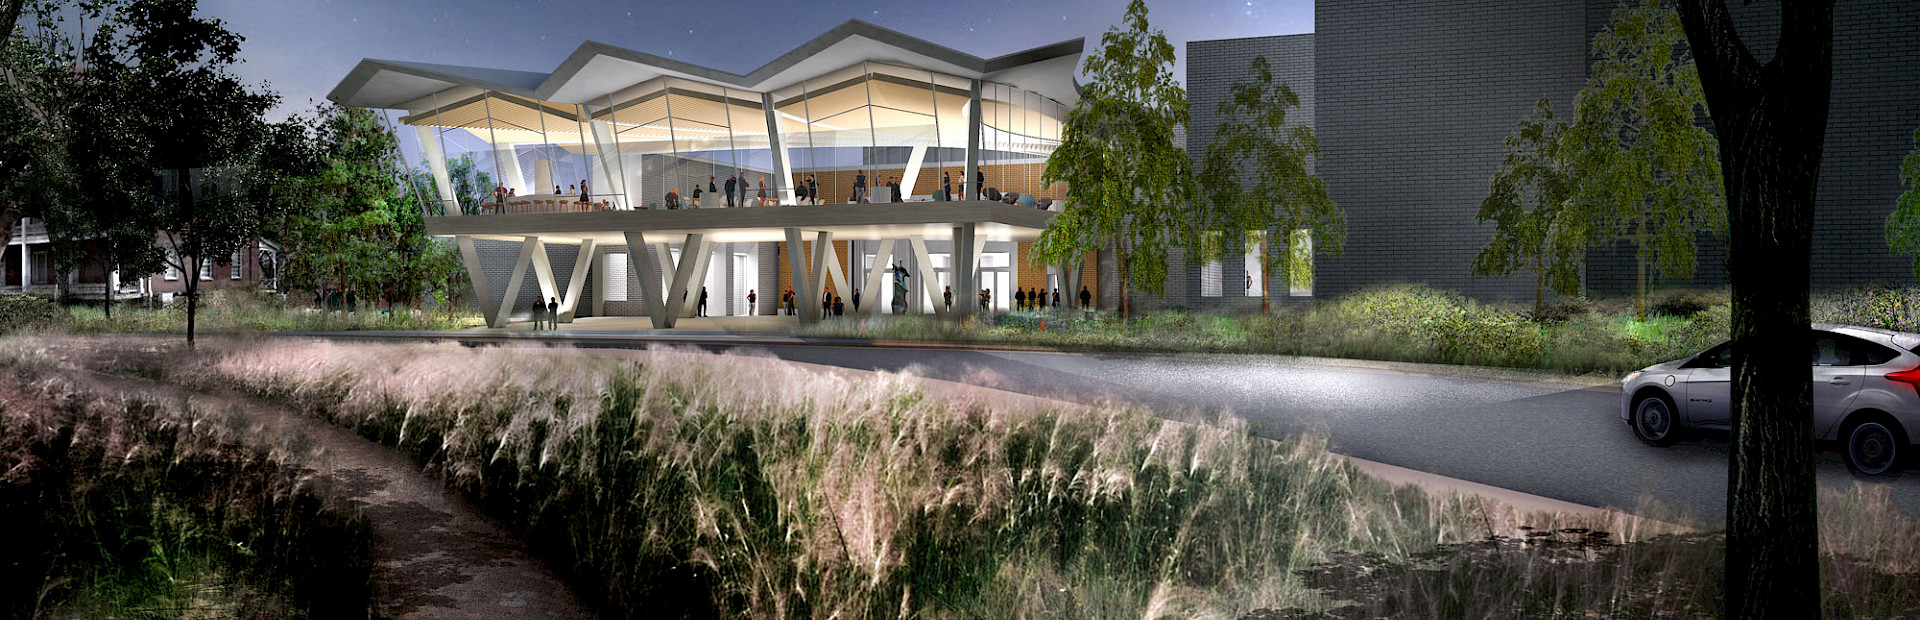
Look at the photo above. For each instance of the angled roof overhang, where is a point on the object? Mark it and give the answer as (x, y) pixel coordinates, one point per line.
(596, 69)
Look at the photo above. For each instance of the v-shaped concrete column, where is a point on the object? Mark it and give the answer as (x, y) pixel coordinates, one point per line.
(691, 303)
(803, 286)
(827, 261)
(662, 305)
(577, 281)
(532, 253)
(930, 279)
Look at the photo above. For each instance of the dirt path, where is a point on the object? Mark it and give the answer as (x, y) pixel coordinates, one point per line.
(438, 558)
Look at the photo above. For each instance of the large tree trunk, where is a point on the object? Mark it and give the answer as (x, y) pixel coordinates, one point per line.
(192, 278)
(1771, 121)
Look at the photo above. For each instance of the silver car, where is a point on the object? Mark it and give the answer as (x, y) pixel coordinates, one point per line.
(1866, 395)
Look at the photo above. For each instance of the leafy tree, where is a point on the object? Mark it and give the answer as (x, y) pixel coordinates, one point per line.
(1771, 120)
(472, 186)
(31, 169)
(190, 113)
(1903, 225)
(1127, 182)
(1644, 171)
(1258, 178)
(1526, 201)
(361, 229)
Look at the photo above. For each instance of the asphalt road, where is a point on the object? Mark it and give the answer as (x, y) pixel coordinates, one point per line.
(1546, 439)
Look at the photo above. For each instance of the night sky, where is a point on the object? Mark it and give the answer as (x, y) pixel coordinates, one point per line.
(302, 48)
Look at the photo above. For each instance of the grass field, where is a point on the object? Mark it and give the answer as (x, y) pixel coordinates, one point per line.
(133, 508)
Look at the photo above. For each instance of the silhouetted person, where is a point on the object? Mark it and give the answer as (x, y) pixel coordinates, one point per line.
(731, 185)
(813, 193)
(1086, 298)
(860, 187)
(586, 195)
(703, 300)
(839, 308)
(1056, 298)
(696, 197)
(947, 296)
(856, 300)
(753, 299)
(553, 312)
(1019, 299)
(946, 186)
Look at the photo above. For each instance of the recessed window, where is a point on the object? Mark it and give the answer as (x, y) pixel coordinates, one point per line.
(206, 270)
(1210, 275)
(616, 277)
(236, 265)
(172, 270)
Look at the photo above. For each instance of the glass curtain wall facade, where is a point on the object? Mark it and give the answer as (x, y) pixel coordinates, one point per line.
(478, 142)
(633, 146)
(1019, 129)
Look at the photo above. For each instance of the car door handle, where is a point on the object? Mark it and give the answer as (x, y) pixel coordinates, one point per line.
(1838, 381)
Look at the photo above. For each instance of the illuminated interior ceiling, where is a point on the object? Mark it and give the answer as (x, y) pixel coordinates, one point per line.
(595, 70)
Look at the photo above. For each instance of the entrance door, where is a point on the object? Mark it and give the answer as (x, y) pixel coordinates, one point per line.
(745, 273)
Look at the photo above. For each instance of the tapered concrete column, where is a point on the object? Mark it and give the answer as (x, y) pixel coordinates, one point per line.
(482, 290)
(577, 281)
(826, 263)
(973, 147)
(930, 279)
(532, 252)
(683, 290)
(782, 162)
(611, 184)
(690, 304)
(803, 286)
(965, 274)
(437, 162)
(643, 262)
(877, 278)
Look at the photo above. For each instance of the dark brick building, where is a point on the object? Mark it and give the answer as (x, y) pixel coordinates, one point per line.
(1411, 100)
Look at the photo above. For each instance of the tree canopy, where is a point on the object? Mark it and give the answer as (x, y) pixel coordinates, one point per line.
(1128, 183)
(1258, 179)
(1527, 201)
(1644, 170)
(1903, 225)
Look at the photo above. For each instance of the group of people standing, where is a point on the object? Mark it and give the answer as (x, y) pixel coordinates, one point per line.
(736, 187)
(807, 192)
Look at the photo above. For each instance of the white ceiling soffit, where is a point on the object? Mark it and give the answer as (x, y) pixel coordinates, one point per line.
(390, 83)
(596, 69)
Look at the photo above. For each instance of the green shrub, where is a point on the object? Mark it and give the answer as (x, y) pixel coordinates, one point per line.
(1885, 308)
(1682, 302)
(1560, 310)
(27, 312)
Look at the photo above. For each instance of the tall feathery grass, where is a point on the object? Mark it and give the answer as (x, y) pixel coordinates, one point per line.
(686, 484)
(128, 507)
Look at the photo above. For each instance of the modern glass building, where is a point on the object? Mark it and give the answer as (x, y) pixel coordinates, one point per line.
(544, 169)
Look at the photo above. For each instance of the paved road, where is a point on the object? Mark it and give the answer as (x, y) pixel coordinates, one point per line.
(1546, 439)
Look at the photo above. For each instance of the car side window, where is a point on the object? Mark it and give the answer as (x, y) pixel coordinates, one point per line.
(1718, 357)
(1849, 351)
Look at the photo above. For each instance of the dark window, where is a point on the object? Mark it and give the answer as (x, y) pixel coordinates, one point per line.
(1717, 357)
(1830, 349)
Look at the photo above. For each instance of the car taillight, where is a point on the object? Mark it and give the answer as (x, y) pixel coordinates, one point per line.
(1910, 376)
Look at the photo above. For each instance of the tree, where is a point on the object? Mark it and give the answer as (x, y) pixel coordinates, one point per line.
(472, 186)
(1127, 182)
(1526, 201)
(1903, 225)
(1644, 170)
(1259, 178)
(1771, 120)
(361, 228)
(30, 165)
(199, 125)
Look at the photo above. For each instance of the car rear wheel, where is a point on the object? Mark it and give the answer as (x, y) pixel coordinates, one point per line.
(1871, 448)
(1655, 421)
